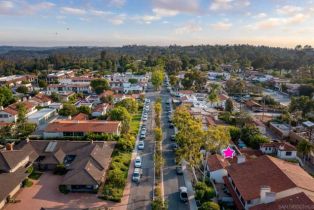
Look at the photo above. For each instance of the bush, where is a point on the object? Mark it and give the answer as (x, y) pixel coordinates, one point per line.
(126, 144)
(112, 193)
(209, 205)
(30, 170)
(35, 175)
(60, 170)
(63, 189)
(27, 183)
(204, 192)
(157, 204)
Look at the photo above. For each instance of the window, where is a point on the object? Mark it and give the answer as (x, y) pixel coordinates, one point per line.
(288, 153)
(249, 202)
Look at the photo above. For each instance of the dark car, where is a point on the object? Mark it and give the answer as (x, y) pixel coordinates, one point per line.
(174, 146)
(172, 137)
(179, 170)
(171, 125)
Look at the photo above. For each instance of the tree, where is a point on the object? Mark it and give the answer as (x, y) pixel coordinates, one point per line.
(23, 129)
(68, 110)
(42, 84)
(130, 104)
(107, 99)
(6, 96)
(99, 85)
(22, 89)
(121, 114)
(133, 81)
(305, 148)
(195, 80)
(209, 205)
(229, 107)
(157, 78)
(55, 97)
(84, 109)
(173, 66)
(213, 96)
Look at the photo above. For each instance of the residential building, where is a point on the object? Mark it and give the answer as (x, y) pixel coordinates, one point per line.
(77, 88)
(100, 110)
(10, 113)
(77, 128)
(282, 150)
(42, 116)
(253, 182)
(41, 99)
(216, 166)
(59, 75)
(280, 129)
(218, 75)
(14, 80)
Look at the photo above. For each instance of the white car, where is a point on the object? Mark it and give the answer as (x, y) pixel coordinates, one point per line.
(140, 145)
(136, 177)
(138, 162)
(143, 131)
(142, 136)
(145, 118)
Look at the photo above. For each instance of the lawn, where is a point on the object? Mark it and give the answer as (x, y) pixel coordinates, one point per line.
(135, 123)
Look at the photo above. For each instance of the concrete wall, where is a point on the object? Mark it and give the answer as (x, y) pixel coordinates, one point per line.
(282, 155)
(217, 175)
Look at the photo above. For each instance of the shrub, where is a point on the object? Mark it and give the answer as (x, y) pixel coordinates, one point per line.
(30, 170)
(117, 177)
(204, 192)
(27, 183)
(63, 189)
(209, 205)
(157, 204)
(112, 193)
(126, 144)
(60, 170)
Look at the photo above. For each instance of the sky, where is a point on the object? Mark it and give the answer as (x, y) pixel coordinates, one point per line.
(282, 23)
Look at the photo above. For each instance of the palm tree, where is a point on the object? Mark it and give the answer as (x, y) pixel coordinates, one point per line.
(305, 148)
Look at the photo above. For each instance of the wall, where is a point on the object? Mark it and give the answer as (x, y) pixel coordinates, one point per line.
(282, 155)
(217, 175)
(48, 135)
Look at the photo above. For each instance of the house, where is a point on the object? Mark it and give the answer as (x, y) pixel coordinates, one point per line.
(86, 162)
(282, 150)
(80, 116)
(71, 80)
(288, 203)
(280, 129)
(42, 116)
(100, 110)
(10, 113)
(41, 99)
(66, 95)
(59, 75)
(13, 170)
(253, 105)
(79, 128)
(218, 75)
(14, 80)
(216, 166)
(77, 88)
(83, 103)
(265, 178)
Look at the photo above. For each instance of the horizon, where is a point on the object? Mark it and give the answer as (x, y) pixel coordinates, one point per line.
(115, 23)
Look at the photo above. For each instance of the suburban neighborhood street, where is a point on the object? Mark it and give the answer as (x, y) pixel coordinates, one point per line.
(172, 181)
(141, 194)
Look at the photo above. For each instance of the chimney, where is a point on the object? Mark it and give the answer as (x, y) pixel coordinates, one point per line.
(270, 197)
(91, 141)
(1, 108)
(9, 146)
(241, 159)
(263, 191)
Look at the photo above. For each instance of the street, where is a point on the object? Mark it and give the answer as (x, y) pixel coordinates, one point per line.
(141, 194)
(172, 181)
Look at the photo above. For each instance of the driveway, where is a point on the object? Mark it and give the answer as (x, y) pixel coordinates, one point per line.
(45, 193)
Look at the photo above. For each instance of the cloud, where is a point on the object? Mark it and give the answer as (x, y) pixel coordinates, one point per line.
(280, 21)
(118, 19)
(158, 14)
(260, 15)
(289, 10)
(224, 25)
(100, 13)
(190, 27)
(117, 3)
(72, 11)
(180, 6)
(221, 5)
(23, 8)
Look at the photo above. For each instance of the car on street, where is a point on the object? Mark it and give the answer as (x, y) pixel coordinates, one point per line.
(138, 162)
(173, 137)
(183, 194)
(171, 125)
(145, 118)
(143, 131)
(179, 170)
(142, 136)
(137, 174)
(141, 145)
(174, 146)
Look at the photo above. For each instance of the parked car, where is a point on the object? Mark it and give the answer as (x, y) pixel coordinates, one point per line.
(137, 174)
(143, 131)
(138, 162)
(142, 136)
(140, 145)
(145, 118)
(183, 194)
(171, 125)
(173, 137)
(174, 146)
(179, 170)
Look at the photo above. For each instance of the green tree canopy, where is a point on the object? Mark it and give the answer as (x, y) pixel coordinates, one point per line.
(84, 109)
(130, 104)
(157, 78)
(22, 89)
(99, 85)
(121, 114)
(68, 110)
(6, 96)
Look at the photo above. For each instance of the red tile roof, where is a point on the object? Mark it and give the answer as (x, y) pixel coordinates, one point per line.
(280, 175)
(13, 110)
(216, 162)
(101, 107)
(80, 116)
(41, 98)
(292, 202)
(84, 126)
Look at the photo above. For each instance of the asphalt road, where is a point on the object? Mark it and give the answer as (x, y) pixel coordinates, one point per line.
(141, 194)
(172, 181)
